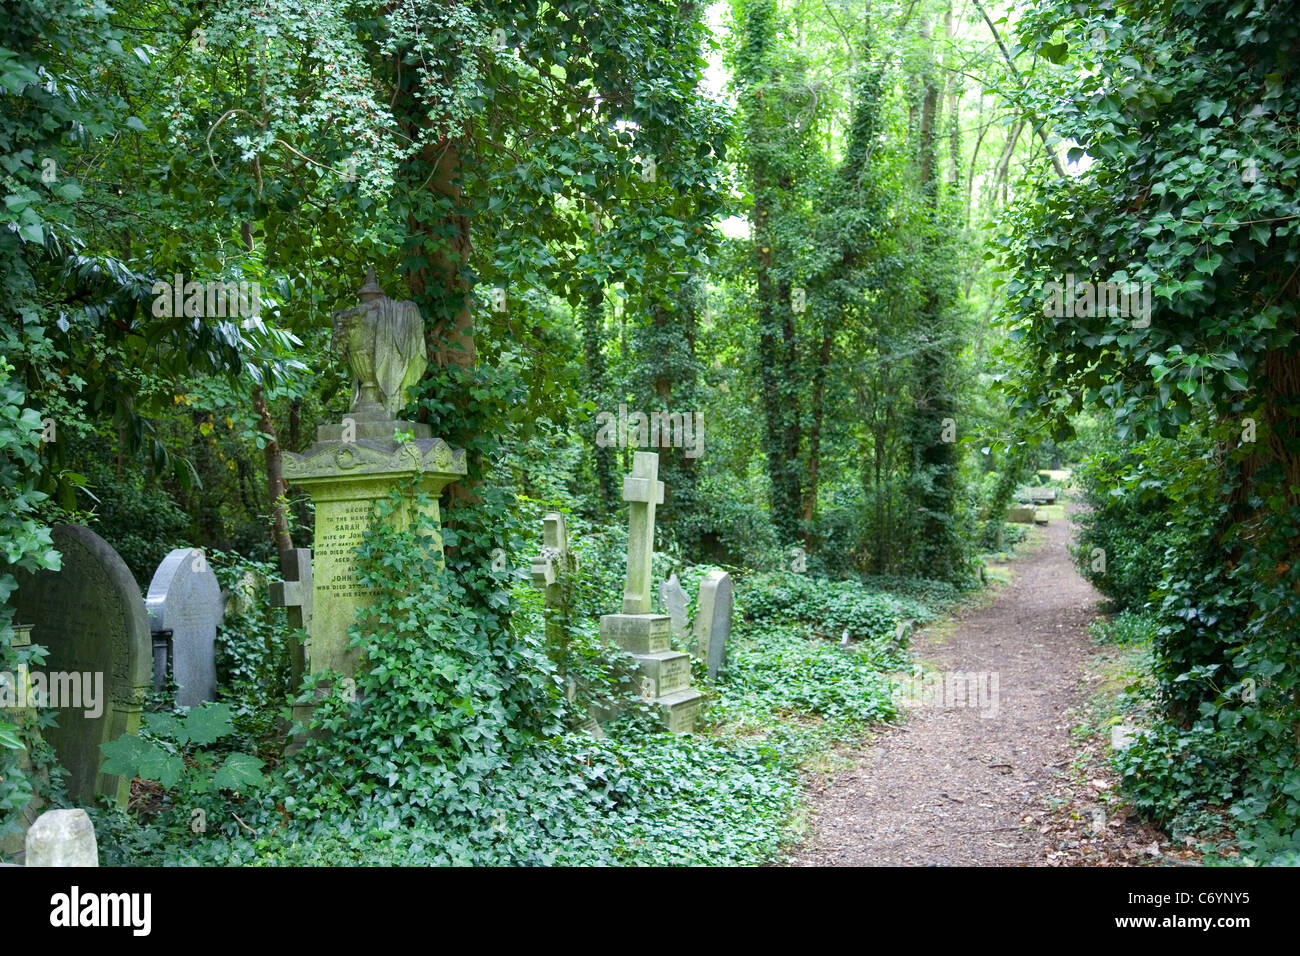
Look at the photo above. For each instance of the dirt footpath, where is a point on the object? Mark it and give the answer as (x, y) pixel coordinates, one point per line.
(953, 787)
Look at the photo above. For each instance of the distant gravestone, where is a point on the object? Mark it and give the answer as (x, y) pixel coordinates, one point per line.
(1023, 514)
(673, 598)
(553, 571)
(713, 620)
(185, 598)
(91, 619)
(242, 597)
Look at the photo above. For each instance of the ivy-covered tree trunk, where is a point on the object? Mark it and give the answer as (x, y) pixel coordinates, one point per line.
(1013, 470)
(933, 426)
(776, 345)
(598, 391)
(275, 487)
(439, 249)
(670, 370)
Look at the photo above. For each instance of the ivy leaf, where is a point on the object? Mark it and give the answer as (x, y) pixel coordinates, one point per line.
(1208, 264)
(8, 737)
(1053, 52)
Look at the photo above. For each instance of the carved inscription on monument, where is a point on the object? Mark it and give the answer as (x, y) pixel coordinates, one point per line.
(342, 525)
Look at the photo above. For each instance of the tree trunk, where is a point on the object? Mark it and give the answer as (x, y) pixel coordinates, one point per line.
(593, 323)
(274, 475)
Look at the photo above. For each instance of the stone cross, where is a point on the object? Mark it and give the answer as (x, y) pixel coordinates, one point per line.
(552, 571)
(643, 490)
(665, 673)
(295, 593)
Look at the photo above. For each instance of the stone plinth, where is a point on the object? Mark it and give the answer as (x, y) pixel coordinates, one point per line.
(670, 670)
(645, 637)
(345, 479)
(637, 633)
(681, 710)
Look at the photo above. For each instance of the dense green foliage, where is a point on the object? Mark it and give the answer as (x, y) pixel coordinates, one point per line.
(457, 760)
(793, 221)
(1183, 114)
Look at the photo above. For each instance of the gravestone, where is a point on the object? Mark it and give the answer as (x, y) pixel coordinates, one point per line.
(552, 571)
(295, 594)
(62, 838)
(185, 598)
(354, 464)
(1122, 736)
(673, 599)
(90, 617)
(1024, 514)
(666, 673)
(242, 598)
(713, 620)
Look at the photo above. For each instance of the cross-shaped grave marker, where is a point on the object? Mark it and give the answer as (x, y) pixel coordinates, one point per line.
(642, 490)
(295, 591)
(295, 594)
(552, 571)
(666, 674)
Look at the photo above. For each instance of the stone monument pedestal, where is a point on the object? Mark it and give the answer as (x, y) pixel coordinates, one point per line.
(345, 479)
(645, 637)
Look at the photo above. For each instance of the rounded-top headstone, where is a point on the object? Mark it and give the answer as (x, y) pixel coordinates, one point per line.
(185, 597)
(91, 619)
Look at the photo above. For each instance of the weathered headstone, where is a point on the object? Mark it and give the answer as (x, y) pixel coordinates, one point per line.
(243, 597)
(91, 619)
(713, 620)
(552, 571)
(1023, 514)
(673, 599)
(356, 463)
(62, 838)
(295, 594)
(185, 598)
(641, 633)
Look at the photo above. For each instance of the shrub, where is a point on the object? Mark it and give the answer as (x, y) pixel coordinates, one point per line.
(1130, 516)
